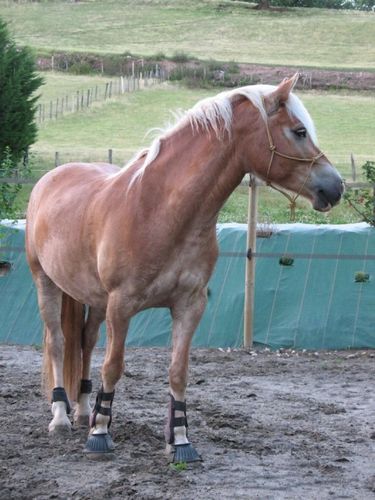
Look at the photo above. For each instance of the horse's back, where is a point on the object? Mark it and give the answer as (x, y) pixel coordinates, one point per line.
(80, 175)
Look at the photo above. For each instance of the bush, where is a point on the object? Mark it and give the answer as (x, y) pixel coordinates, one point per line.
(180, 57)
(9, 192)
(363, 200)
(18, 84)
(368, 5)
(83, 68)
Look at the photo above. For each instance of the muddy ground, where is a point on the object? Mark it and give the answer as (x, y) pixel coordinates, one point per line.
(269, 425)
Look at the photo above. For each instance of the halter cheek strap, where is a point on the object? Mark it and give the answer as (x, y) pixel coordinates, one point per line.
(272, 147)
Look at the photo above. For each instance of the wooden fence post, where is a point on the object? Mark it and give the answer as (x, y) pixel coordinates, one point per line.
(57, 159)
(110, 154)
(250, 264)
(352, 162)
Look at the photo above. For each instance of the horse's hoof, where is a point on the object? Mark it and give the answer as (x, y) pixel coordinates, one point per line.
(60, 429)
(185, 453)
(99, 447)
(82, 420)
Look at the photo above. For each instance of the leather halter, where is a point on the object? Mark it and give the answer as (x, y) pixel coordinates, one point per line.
(311, 161)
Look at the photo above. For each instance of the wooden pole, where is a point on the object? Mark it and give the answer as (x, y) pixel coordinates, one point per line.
(352, 162)
(250, 263)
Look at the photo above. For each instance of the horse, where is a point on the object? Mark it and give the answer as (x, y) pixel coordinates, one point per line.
(104, 243)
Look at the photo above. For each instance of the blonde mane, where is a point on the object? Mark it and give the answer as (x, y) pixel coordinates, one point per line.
(215, 113)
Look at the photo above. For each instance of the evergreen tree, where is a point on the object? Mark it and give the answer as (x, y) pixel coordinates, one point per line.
(18, 84)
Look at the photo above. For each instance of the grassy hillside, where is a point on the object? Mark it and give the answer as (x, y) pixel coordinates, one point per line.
(344, 122)
(123, 124)
(219, 29)
(57, 84)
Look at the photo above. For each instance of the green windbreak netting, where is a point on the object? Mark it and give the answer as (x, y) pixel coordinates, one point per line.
(315, 303)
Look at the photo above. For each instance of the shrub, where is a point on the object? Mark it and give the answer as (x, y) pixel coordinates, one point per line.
(18, 84)
(180, 57)
(363, 200)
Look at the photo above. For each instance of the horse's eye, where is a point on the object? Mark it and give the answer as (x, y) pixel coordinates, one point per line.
(300, 132)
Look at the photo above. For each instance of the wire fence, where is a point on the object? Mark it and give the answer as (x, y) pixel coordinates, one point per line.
(85, 98)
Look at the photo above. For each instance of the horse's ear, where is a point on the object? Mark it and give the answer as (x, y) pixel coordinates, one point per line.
(285, 88)
(282, 92)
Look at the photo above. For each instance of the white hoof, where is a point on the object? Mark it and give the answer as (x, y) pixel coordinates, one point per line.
(60, 430)
(60, 423)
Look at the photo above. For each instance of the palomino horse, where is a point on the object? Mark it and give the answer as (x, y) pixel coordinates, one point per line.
(121, 241)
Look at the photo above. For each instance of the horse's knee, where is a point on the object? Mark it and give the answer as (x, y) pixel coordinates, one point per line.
(112, 370)
(177, 379)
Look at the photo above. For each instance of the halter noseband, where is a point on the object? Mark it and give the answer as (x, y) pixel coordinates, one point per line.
(272, 147)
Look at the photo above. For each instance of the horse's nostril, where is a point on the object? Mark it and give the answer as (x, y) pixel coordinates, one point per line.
(322, 196)
(331, 193)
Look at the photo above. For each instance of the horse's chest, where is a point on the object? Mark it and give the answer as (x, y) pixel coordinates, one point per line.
(184, 273)
(178, 278)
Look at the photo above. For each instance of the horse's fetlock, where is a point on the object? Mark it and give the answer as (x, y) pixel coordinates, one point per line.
(180, 436)
(101, 425)
(177, 383)
(60, 419)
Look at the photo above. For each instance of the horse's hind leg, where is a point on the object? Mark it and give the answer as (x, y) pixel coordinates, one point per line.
(50, 301)
(89, 338)
(186, 316)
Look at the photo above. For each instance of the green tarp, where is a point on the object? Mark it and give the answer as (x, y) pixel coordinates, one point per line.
(313, 304)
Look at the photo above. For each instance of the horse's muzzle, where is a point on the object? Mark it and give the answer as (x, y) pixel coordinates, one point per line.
(328, 192)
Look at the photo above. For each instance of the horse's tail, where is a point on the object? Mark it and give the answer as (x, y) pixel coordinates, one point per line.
(72, 322)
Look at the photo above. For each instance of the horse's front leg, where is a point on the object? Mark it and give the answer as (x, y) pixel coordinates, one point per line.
(186, 315)
(100, 444)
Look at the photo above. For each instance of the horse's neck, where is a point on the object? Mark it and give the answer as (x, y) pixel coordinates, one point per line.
(193, 176)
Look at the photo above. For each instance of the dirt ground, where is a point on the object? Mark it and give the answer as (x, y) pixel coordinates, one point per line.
(281, 425)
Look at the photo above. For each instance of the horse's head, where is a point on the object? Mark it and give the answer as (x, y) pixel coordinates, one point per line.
(287, 154)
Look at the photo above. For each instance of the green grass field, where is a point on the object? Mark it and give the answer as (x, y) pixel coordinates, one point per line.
(224, 30)
(218, 29)
(344, 123)
(57, 84)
